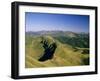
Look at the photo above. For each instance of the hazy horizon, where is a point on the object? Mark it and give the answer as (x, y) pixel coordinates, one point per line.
(56, 30)
(35, 22)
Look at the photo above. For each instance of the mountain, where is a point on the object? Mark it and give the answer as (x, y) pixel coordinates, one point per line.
(67, 37)
(53, 33)
(63, 55)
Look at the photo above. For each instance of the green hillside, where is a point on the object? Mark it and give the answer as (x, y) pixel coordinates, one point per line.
(64, 55)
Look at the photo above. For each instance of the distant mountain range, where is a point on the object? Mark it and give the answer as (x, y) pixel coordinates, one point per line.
(57, 33)
(66, 37)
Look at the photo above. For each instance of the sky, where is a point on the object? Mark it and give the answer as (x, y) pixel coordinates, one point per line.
(52, 22)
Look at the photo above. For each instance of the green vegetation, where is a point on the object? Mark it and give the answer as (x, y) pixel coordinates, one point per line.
(72, 50)
(79, 41)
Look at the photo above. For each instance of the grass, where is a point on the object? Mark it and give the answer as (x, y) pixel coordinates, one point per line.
(65, 55)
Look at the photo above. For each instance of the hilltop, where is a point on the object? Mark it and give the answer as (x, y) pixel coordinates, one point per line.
(75, 39)
(64, 55)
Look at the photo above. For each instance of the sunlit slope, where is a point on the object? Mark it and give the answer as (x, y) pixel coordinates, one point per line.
(64, 54)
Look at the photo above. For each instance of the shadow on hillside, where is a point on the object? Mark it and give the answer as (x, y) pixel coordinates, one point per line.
(86, 61)
(48, 50)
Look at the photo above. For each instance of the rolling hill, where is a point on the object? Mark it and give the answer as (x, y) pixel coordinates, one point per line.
(67, 37)
(64, 55)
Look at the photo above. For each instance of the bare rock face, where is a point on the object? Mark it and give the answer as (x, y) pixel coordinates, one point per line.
(49, 48)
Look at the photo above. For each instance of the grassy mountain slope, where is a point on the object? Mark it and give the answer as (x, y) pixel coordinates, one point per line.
(64, 55)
